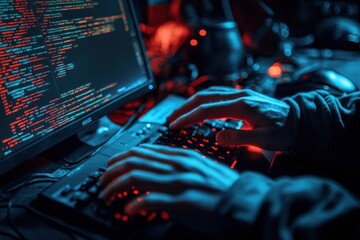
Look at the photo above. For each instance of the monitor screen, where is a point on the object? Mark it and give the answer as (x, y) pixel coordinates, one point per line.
(64, 64)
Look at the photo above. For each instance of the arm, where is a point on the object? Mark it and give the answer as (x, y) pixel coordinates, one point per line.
(214, 200)
(303, 208)
(326, 129)
(316, 128)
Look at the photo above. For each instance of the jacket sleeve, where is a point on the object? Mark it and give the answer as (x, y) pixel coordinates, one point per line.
(327, 129)
(299, 208)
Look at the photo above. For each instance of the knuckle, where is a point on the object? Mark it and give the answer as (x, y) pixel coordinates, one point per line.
(194, 154)
(248, 92)
(190, 153)
(203, 108)
(136, 151)
(214, 89)
(129, 163)
(199, 96)
(243, 103)
(132, 151)
(134, 176)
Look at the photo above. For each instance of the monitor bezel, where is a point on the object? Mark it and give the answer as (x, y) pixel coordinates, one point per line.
(39, 146)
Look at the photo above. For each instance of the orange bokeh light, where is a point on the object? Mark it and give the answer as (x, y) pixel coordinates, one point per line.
(202, 32)
(194, 42)
(275, 71)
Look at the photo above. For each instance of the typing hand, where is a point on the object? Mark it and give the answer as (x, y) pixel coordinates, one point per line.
(181, 182)
(269, 119)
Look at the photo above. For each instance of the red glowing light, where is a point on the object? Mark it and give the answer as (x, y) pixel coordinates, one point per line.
(152, 216)
(117, 216)
(247, 39)
(143, 212)
(194, 42)
(233, 164)
(275, 71)
(125, 218)
(202, 32)
(165, 215)
(254, 149)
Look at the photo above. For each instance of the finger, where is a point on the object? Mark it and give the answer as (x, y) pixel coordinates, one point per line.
(201, 98)
(228, 109)
(142, 180)
(175, 157)
(148, 153)
(154, 201)
(187, 160)
(131, 163)
(262, 138)
(222, 89)
(170, 150)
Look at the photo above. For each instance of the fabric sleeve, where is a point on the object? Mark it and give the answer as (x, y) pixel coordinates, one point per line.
(327, 129)
(299, 208)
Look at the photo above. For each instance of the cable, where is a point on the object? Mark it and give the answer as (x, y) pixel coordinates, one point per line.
(49, 221)
(9, 235)
(11, 224)
(35, 178)
(133, 117)
(266, 8)
(33, 181)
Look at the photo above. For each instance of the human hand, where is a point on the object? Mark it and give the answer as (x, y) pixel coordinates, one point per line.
(181, 182)
(269, 119)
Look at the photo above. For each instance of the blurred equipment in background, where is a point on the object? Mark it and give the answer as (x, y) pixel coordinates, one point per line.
(310, 12)
(338, 33)
(200, 38)
(193, 44)
(152, 12)
(214, 45)
(317, 79)
(264, 33)
(332, 24)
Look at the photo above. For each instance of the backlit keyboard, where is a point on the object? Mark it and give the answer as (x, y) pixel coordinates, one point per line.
(201, 138)
(76, 196)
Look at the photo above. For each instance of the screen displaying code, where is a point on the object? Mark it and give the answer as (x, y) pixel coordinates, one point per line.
(61, 60)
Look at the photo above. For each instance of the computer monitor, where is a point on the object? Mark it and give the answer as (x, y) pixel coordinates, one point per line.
(64, 64)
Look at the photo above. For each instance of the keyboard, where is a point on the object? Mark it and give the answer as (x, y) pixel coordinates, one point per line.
(201, 138)
(76, 195)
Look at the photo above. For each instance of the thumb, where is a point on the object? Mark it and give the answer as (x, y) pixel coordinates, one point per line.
(235, 138)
